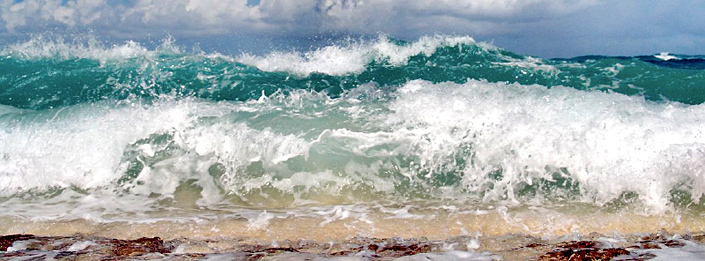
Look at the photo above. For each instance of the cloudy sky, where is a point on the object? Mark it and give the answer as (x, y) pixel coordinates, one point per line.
(545, 28)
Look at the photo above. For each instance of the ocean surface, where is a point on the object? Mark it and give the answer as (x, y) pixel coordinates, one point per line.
(445, 135)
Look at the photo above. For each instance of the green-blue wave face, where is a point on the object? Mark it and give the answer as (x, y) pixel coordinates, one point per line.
(59, 79)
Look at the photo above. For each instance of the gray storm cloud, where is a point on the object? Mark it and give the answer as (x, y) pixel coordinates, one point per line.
(539, 27)
(219, 15)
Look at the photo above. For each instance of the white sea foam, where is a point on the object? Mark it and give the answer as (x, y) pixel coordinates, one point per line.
(691, 251)
(452, 255)
(84, 47)
(261, 222)
(351, 58)
(75, 146)
(533, 63)
(666, 56)
(80, 245)
(496, 138)
(609, 143)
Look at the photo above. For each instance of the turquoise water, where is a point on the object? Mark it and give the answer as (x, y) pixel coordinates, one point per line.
(443, 118)
(42, 75)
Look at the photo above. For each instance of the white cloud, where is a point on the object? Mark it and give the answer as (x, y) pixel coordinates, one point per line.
(36, 14)
(463, 16)
(225, 15)
(531, 26)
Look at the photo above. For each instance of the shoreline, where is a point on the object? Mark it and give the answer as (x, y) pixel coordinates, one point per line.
(340, 225)
(417, 233)
(504, 247)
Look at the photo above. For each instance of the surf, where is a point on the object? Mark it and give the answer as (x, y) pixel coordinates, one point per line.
(359, 132)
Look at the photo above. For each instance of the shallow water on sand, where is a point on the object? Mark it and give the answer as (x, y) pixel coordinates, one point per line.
(342, 222)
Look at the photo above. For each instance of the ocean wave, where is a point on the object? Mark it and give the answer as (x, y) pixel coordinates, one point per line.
(482, 142)
(45, 73)
(354, 57)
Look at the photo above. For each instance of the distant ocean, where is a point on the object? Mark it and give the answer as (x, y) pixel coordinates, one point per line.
(444, 135)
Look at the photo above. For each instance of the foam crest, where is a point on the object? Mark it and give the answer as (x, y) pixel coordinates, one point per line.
(339, 60)
(85, 47)
(528, 62)
(332, 60)
(164, 148)
(665, 56)
(609, 144)
(79, 146)
(476, 142)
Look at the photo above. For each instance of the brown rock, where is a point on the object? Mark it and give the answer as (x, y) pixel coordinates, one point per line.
(585, 254)
(139, 246)
(7, 241)
(583, 250)
(674, 243)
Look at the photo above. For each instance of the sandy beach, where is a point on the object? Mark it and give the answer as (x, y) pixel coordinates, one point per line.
(507, 247)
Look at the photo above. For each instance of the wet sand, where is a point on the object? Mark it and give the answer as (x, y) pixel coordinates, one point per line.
(507, 247)
(518, 234)
(339, 225)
